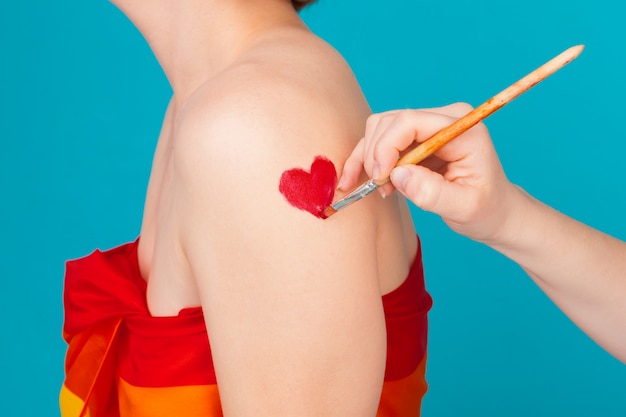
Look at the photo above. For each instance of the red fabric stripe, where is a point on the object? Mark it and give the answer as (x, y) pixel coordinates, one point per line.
(406, 311)
(101, 286)
(166, 351)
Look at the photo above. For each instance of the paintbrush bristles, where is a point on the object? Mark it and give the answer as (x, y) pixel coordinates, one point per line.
(439, 139)
(328, 211)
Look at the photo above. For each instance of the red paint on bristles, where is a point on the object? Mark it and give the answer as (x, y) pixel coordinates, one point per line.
(328, 211)
(311, 191)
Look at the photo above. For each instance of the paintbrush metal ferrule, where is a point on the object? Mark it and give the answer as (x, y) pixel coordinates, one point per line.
(363, 191)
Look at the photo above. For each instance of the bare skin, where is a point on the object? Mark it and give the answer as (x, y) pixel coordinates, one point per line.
(581, 269)
(292, 303)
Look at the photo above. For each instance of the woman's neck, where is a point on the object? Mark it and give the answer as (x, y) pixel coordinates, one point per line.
(193, 40)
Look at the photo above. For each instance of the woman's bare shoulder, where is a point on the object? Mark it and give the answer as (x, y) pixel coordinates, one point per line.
(302, 94)
(279, 108)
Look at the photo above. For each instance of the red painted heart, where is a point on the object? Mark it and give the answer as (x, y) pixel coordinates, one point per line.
(310, 191)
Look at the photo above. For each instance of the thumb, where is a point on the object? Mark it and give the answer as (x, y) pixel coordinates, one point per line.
(427, 189)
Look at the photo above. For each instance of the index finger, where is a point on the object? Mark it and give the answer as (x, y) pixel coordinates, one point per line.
(407, 128)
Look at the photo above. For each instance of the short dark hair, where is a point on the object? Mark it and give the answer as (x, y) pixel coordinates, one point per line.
(300, 4)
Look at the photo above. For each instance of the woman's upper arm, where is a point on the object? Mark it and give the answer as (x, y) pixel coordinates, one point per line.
(291, 302)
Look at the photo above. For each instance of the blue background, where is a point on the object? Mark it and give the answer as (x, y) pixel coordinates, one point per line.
(81, 103)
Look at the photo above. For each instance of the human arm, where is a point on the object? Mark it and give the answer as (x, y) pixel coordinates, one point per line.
(292, 303)
(581, 269)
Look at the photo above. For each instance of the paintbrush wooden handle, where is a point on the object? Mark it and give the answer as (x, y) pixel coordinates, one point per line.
(445, 135)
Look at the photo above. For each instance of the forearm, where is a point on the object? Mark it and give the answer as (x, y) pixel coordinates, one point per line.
(581, 269)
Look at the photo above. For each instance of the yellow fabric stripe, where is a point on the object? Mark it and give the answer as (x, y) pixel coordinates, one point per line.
(71, 404)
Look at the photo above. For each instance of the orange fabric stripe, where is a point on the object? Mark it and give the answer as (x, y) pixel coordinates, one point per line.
(89, 368)
(188, 401)
(399, 397)
(403, 397)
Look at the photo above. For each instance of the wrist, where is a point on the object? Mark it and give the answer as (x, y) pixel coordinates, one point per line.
(516, 207)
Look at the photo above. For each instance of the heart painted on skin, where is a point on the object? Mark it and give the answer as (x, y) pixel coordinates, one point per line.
(310, 191)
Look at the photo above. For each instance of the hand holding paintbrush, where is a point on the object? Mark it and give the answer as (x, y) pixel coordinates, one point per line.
(444, 136)
(581, 269)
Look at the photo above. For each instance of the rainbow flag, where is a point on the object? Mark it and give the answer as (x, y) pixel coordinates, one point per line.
(121, 361)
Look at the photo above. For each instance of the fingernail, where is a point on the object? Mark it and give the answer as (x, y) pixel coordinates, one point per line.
(382, 193)
(399, 177)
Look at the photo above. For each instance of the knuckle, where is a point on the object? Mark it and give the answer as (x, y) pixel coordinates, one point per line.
(379, 151)
(461, 108)
(372, 121)
(406, 116)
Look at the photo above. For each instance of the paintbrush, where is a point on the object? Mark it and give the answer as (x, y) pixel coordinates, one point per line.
(447, 134)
